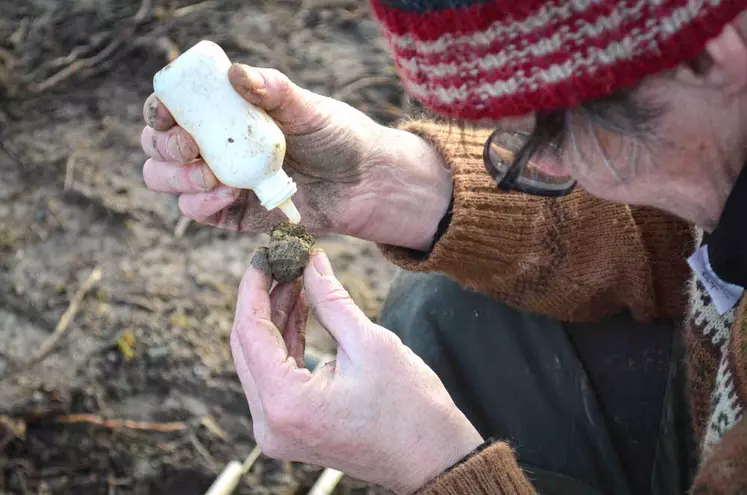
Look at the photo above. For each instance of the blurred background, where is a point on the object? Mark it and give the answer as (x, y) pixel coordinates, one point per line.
(115, 312)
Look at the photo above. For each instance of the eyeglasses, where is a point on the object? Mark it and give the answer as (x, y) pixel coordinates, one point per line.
(520, 175)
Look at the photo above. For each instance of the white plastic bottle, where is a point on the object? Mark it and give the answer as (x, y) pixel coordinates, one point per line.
(240, 143)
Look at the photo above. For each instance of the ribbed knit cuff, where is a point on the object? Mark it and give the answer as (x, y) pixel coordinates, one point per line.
(476, 214)
(489, 469)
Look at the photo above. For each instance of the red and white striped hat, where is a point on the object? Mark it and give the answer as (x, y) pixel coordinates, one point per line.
(486, 59)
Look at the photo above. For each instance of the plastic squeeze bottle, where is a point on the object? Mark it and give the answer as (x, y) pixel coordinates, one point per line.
(240, 143)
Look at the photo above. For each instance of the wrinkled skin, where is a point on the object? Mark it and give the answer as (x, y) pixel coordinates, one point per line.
(354, 176)
(376, 385)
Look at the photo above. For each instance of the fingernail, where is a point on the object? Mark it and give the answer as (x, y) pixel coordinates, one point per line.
(255, 83)
(187, 148)
(172, 146)
(260, 262)
(151, 112)
(197, 177)
(321, 263)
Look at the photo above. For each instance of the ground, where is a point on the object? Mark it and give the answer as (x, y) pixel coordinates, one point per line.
(139, 395)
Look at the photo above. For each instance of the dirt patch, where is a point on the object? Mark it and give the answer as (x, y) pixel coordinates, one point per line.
(149, 343)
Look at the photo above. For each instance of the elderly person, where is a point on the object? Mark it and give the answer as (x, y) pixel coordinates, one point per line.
(563, 350)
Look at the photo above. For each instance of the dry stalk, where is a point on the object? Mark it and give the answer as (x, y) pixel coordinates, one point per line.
(326, 483)
(181, 226)
(357, 85)
(67, 317)
(117, 424)
(88, 63)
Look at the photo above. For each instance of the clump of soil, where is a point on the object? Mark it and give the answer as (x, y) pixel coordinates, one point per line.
(290, 250)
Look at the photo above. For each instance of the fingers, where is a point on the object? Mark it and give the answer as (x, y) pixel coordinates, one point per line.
(282, 301)
(294, 334)
(263, 348)
(174, 145)
(207, 207)
(290, 314)
(270, 89)
(156, 115)
(332, 304)
(170, 177)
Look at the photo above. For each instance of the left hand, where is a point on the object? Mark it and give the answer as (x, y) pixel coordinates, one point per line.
(377, 413)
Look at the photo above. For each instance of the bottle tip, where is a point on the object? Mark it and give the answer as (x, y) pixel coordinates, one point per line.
(291, 211)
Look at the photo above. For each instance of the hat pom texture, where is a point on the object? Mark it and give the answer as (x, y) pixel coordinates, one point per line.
(482, 59)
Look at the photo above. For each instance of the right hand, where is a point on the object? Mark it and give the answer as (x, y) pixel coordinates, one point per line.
(354, 176)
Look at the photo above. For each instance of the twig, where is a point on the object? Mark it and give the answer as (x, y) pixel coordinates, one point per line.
(213, 427)
(70, 170)
(231, 475)
(68, 59)
(116, 424)
(251, 459)
(360, 84)
(326, 483)
(76, 66)
(14, 428)
(191, 9)
(202, 450)
(181, 226)
(62, 325)
(90, 62)
(142, 11)
(67, 317)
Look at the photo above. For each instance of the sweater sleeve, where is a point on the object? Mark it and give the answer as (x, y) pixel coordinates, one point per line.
(575, 258)
(491, 471)
(725, 470)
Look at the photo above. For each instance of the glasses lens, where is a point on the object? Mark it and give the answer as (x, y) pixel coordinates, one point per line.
(499, 158)
(500, 151)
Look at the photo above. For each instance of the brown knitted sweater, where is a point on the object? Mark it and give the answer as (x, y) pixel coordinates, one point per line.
(579, 258)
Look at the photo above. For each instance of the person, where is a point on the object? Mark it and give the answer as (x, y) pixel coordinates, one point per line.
(574, 349)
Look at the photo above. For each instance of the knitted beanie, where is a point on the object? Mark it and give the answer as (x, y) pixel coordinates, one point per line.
(486, 59)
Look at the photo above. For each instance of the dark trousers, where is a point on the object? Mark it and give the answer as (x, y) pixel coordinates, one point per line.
(589, 408)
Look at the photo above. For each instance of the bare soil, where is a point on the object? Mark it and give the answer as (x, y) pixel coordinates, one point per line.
(139, 394)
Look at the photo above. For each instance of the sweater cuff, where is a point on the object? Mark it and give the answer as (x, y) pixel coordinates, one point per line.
(489, 469)
(474, 213)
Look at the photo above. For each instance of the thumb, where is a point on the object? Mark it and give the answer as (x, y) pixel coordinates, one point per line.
(332, 304)
(289, 105)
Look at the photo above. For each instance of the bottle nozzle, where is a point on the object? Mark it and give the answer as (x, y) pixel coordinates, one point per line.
(290, 211)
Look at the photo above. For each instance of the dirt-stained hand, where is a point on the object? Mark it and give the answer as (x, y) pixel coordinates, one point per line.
(378, 413)
(354, 176)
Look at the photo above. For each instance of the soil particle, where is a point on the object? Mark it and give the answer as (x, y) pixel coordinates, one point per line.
(289, 251)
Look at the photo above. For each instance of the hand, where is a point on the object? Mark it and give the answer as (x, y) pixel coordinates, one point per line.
(378, 413)
(354, 176)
